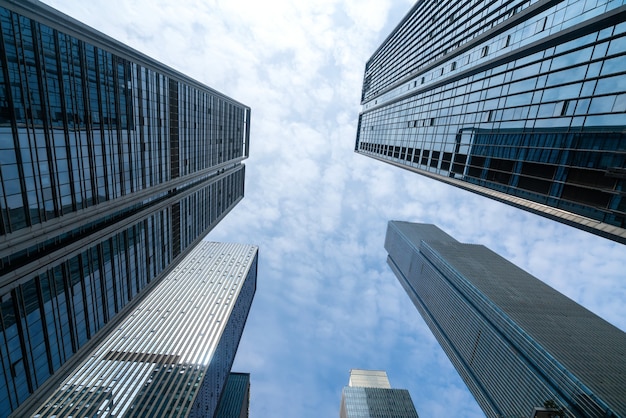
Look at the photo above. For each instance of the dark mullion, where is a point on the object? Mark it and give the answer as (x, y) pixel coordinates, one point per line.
(88, 120)
(23, 332)
(46, 117)
(66, 129)
(4, 228)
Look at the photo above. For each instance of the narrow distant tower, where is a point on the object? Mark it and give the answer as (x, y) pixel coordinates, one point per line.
(235, 400)
(516, 342)
(369, 394)
(516, 100)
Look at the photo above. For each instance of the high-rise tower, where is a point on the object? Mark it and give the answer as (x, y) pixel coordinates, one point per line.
(172, 356)
(112, 167)
(516, 342)
(235, 400)
(369, 394)
(521, 101)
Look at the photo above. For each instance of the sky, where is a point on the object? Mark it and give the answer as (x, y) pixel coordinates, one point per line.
(326, 301)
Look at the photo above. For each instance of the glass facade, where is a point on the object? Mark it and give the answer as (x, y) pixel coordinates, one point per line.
(522, 101)
(369, 395)
(173, 354)
(235, 400)
(112, 167)
(515, 341)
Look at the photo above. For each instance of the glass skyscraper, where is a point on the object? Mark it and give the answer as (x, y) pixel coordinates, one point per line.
(235, 400)
(522, 101)
(112, 167)
(172, 356)
(516, 342)
(369, 395)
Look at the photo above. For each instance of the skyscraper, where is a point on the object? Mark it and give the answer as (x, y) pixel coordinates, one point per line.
(235, 400)
(515, 341)
(112, 167)
(521, 101)
(172, 356)
(369, 394)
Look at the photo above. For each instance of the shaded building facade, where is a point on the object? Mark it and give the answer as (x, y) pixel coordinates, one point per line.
(235, 400)
(172, 356)
(516, 342)
(370, 395)
(521, 101)
(112, 167)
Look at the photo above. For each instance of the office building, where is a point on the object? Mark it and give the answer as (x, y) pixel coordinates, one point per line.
(522, 101)
(172, 356)
(516, 342)
(369, 394)
(112, 167)
(235, 400)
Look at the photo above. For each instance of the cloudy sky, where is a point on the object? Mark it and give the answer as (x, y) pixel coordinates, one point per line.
(326, 301)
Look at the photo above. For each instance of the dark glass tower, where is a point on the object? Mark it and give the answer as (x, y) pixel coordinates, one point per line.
(521, 101)
(369, 394)
(112, 167)
(515, 341)
(235, 400)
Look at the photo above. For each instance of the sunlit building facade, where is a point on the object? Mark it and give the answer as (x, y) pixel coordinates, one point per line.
(521, 101)
(516, 342)
(172, 356)
(370, 395)
(112, 167)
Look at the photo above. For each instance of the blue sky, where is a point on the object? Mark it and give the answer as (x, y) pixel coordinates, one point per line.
(326, 301)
